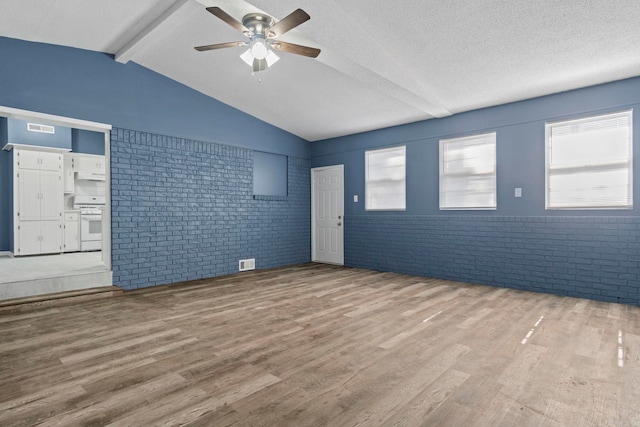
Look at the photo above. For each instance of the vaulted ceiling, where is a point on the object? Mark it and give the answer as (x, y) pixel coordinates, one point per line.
(382, 63)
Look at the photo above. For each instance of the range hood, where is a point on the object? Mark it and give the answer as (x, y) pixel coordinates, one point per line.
(88, 176)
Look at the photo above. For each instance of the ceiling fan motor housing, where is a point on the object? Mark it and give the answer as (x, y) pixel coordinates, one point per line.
(257, 23)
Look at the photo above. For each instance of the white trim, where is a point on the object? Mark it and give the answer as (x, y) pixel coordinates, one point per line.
(106, 213)
(313, 209)
(576, 121)
(16, 113)
(6, 254)
(442, 176)
(11, 145)
(367, 183)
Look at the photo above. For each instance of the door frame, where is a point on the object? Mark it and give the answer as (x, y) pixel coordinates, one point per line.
(52, 119)
(339, 167)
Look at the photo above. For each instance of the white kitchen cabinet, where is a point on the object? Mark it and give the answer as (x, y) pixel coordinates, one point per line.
(71, 231)
(38, 237)
(90, 163)
(38, 199)
(39, 160)
(69, 173)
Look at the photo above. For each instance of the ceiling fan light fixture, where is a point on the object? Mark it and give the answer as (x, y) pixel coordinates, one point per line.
(271, 58)
(258, 48)
(262, 30)
(247, 57)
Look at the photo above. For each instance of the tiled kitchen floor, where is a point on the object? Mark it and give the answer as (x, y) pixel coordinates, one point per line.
(49, 266)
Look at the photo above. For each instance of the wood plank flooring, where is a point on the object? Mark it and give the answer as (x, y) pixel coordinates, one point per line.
(319, 345)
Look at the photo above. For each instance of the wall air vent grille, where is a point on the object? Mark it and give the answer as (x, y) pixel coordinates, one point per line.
(247, 264)
(35, 127)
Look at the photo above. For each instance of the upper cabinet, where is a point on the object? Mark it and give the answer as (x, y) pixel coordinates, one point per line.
(89, 163)
(39, 160)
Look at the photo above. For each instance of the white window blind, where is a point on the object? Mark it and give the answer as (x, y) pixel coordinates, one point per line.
(468, 172)
(589, 163)
(385, 179)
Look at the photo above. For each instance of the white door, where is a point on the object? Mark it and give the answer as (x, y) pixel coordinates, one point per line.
(327, 217)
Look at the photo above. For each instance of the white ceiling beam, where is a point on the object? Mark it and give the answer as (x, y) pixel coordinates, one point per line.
(144, 39)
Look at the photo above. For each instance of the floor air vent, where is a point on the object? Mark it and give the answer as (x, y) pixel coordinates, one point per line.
(247, 264)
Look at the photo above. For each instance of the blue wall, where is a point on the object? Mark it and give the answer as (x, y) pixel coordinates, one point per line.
(87, 142)
(92, 86)
(181, 165)
(269, 174)
(184, 210)
(18, 134)
(592, 254)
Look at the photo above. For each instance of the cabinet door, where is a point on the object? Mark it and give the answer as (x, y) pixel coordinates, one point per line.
(51, 237)
(69, 177)
(51, 195)
(51, 161)
(28, 159)
(29, 195)
(89, 163)
(27, 238)
(71, 236)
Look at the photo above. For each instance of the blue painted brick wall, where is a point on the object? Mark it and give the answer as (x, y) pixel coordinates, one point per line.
(589, 257)
(184, 210)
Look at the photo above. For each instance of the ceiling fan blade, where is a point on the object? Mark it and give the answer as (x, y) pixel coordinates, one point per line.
(259, 65)
(228, 19)
(290, 21)
(219, 46)
(311, 52)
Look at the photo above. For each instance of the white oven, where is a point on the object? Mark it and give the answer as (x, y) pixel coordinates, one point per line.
(90, 231)
(90, 208)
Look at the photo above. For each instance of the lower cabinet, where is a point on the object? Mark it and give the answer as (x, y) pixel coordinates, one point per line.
(38, 237)
(71, 231)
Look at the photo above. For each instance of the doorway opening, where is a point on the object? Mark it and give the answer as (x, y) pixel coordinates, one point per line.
(83, 261)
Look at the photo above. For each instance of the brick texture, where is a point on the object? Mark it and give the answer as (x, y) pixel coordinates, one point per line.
(588, 257)
(184, 210)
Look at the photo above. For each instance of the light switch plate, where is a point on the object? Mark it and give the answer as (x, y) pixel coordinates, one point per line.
(355, 198)
(518, 192)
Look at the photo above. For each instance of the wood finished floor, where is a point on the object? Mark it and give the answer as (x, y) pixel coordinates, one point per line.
(317, 345)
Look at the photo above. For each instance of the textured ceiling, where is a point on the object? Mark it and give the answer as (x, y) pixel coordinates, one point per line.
(382, 64)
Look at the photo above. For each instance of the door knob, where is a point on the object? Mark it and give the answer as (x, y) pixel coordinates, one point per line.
(339, 224)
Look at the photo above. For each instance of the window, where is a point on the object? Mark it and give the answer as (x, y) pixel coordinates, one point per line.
(468, 172)
(385, 187)
(589, 163)
(269, 174)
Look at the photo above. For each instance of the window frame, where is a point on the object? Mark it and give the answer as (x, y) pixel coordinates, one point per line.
(548, 151)
(442, 175)
(367, 180)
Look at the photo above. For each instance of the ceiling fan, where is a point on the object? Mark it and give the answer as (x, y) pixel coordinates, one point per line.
(263, 32)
